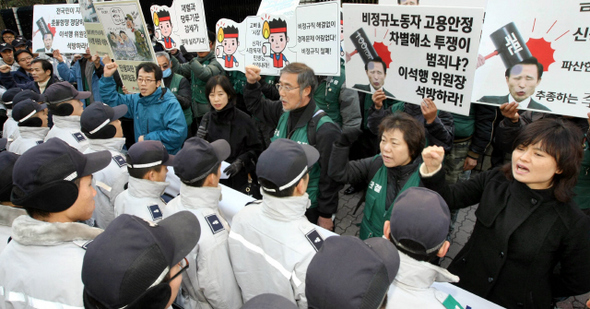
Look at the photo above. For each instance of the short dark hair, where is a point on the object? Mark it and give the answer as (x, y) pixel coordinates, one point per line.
(413, 131)
(231, 30)
(287, 192)
(164, 13)
(278, 23)
(36, 213)
(201, 182)
(412, 245)
(563, 141)
(377, 59)
(531, 60)
(22, 51)
(305, 76)
(45, 65)
(139, 173)
(150, 67)
(211, 35)
(225, 84)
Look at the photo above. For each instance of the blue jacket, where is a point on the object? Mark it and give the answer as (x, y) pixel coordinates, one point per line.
(74, 75)
(157, 117)
(20, 76)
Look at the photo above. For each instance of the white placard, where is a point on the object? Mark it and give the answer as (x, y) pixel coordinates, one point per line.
(59, 26)
(182, 24)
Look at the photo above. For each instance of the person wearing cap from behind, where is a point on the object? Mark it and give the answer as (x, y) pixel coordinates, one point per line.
(66, 108)
(42, 264)
(10, 127)
(7, 56)
(19, 44)
(418, 227)
(8, 212)
(147, 164)
(32, 125)
(101, 125)
(348, 273)
(212, 282)
(139, 264)
(271, 243)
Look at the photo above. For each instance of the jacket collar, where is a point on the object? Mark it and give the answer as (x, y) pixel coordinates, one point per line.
(33, 132)
(30, 232)
(154, 98)
(285, 208)
(9, 213)
(209, 56)
(202, 197)
(308, 112)
(113, 144)
(146, 188)
(67, 122)
(421, 275)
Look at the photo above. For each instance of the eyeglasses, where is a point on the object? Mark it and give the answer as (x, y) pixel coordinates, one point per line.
(8, 37)
(146, 80)
(287, 88)
(25, 59)
(183, 266)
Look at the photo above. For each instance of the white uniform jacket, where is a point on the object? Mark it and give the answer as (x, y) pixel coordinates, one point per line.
(143, 198)
(10, 128)
(211, 283)
(7, 215)
(41, 267)
(411, 288)
(107, 182)
(67, 128)
(271, 245)
(29, 138)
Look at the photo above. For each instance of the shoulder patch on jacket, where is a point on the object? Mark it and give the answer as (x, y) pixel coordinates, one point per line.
(82, 243)
(39, 142)
(120, 160)
(79, 136)
(214, 224)
(315, 239)
(155, 212)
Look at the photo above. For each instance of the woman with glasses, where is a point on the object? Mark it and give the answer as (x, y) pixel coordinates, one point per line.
(227, 122)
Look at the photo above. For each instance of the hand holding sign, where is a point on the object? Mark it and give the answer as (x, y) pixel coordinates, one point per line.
(378, 97)
(57, 55)
(510, 111)
(429, 110)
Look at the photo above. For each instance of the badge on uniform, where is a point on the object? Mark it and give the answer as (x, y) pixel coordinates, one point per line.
(39, 142)
(155, 212)
(315, 239)
(79, 136)
(120, 160)
(214, 224)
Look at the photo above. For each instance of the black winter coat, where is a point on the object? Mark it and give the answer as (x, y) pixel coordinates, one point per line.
(520, 235)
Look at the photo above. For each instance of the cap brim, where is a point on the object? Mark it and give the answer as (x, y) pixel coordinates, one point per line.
(120, 111)
(388, 254)
(221, 148)
(83, 95)
(170, 161)
(312, 155)
(96, 161)
(40, 107)
(186, 230)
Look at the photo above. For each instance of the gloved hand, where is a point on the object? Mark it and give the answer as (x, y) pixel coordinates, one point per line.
(348, 137)
(201, 132)
(234, 168)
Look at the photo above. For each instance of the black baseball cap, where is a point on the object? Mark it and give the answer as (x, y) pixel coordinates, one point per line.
(26, 109)
(269, 301)
(285, 162)
(8, 31)
(5, 46)
(26, 94)
(133, 255)
(147, 154)
(64, 91)
(347, 273)
(8, 96)
(97, 115)
(19, 42)
(422, 216)
(198, 158)
(43, 178)
(7, 160)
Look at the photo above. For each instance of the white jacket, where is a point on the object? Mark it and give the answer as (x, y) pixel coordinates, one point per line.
(211, 284)
(108, 182)
(412, 285)
(10, 128)
(29, 138)
(271, 245)
(143, 199)
(67, 128)
(41, 267)
(7, 215)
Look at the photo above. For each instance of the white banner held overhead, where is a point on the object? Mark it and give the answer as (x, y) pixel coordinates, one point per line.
(182, 24)
(58, 26)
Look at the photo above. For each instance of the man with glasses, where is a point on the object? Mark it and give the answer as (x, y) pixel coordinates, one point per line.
(23, 74)
(8, 35)
(296, 116)
(155, 110)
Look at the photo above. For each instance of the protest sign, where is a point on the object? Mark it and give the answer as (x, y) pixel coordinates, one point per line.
(182, 24)
(97, 41)
(311, 36)
(277, 7)
(413, 52)
(58, 26)
(556, 34)
(458, 3)
(125, 31)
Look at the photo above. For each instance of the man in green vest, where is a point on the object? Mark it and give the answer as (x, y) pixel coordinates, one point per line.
(199, 70)
(178, 85)
(296, 116)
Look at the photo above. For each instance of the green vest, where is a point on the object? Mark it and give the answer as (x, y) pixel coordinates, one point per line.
(174, 85)
(300, 136)
(238, 80)
(327, 96)
(200, 103)
(375, 214)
